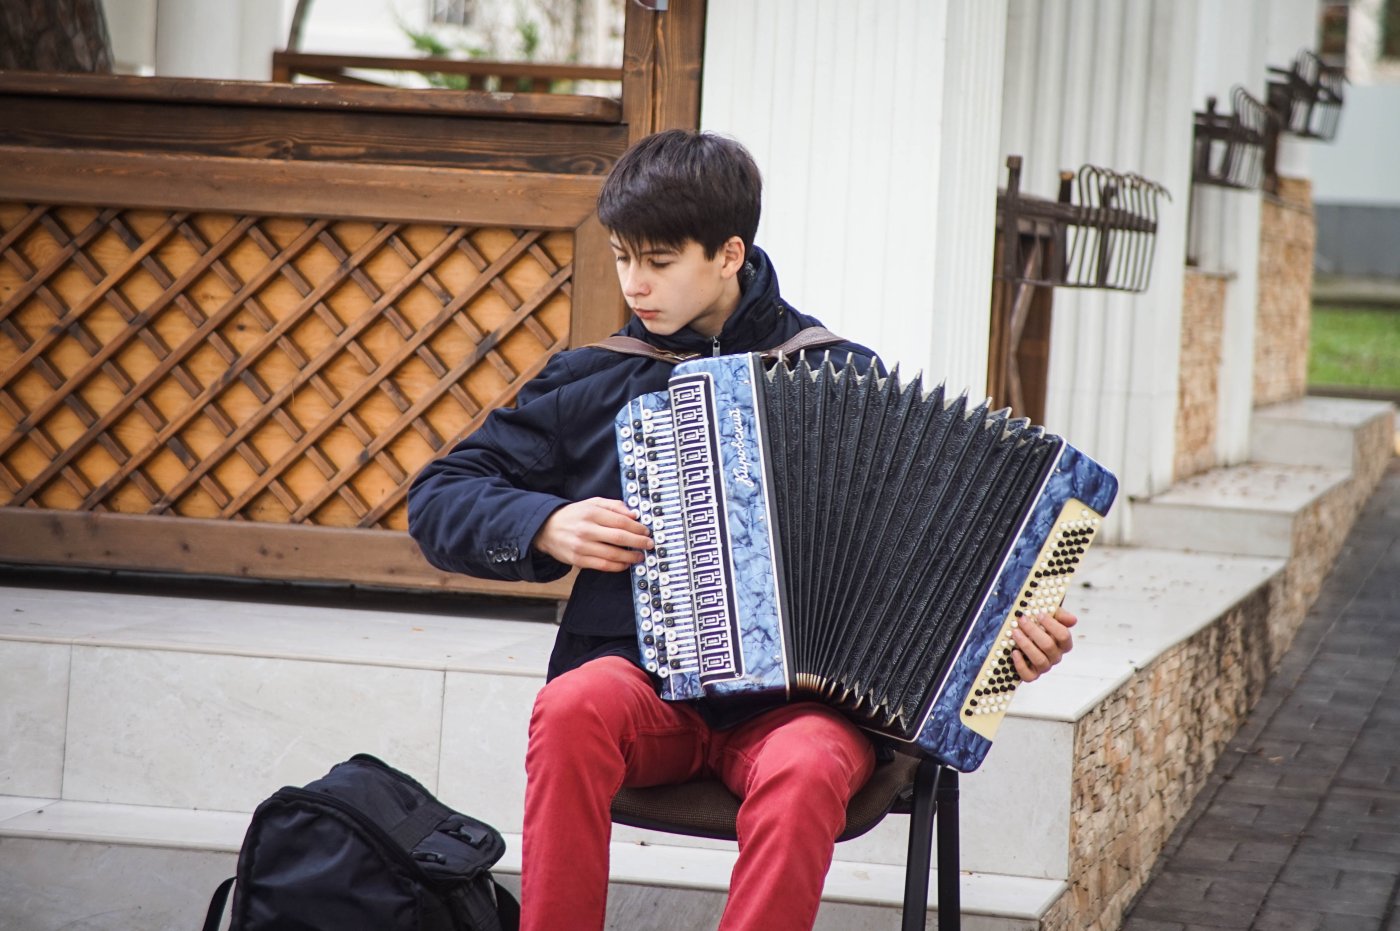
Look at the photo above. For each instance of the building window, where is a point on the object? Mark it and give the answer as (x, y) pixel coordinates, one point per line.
(1390, 29)
(454, 12)
(1332, 44)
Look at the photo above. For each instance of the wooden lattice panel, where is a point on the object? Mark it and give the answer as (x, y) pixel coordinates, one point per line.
(257, 368)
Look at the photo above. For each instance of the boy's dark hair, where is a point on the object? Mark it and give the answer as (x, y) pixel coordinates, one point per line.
(680, 185)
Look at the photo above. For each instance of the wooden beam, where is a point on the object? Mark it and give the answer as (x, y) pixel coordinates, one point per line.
(428, 139)
(236, 549)
(299, 62)
(277, 188)
(662, 59)
(338, 97)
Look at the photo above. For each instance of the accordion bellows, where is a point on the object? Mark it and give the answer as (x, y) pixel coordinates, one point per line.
(848, 538)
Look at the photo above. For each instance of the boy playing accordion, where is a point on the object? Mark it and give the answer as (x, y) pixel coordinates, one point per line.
(535, 491)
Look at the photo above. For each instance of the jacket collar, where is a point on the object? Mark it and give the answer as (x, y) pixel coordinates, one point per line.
(753, 325)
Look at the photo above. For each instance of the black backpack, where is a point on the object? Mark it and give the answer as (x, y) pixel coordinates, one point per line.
(365, 847)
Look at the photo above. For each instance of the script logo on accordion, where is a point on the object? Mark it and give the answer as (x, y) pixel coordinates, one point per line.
(742, 469)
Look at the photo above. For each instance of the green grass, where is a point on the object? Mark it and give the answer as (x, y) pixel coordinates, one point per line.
(1357, 347)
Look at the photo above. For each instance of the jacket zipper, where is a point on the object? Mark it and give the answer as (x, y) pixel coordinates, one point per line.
(714, 345)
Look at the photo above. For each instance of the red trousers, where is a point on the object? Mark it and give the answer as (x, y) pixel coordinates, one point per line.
(601, 726)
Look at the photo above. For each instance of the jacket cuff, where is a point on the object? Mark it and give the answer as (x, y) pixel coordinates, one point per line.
(528, 563)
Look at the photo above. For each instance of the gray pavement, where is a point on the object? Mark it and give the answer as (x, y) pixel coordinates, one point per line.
(1298, 826)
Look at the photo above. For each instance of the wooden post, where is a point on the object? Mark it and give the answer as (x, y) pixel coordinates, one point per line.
(661, 67)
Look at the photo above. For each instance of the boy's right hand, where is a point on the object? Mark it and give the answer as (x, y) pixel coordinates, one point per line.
(598, 533)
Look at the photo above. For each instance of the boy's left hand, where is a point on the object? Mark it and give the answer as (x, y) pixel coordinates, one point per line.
(1041, 642)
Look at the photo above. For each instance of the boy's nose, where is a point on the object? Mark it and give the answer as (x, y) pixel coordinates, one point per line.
(633, 284)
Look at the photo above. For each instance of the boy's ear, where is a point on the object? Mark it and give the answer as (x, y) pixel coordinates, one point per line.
(732, 253)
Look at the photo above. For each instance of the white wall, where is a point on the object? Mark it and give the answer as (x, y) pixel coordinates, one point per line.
(1360, 165)
(874, 123)
(1110, 83)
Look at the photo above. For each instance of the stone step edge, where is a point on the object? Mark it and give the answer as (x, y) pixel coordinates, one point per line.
(633, 863)
(1187, 516)
(1314, 430)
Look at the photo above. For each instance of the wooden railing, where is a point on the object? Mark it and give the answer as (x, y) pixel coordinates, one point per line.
(236, 318)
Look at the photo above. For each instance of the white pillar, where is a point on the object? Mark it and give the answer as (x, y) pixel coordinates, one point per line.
(1232, 49)
(132, 26)
(1110, 84)
(1292, 25)
(874, 124)
(219, 39)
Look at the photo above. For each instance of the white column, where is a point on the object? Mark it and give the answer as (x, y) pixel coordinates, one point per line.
(1232, 50)
(1110, 83)
(218, 39)
(132, 26)
(874, 124)
(1292, 25)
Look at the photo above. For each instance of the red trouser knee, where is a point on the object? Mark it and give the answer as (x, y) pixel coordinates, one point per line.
(602, 726)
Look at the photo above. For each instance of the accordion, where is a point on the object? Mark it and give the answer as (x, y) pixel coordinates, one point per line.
(832, 535)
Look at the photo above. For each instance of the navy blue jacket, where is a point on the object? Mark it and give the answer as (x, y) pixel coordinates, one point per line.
(477, 509)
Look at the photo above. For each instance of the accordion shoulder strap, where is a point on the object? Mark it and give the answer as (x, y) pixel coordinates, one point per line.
(814, 337)
(631, 346)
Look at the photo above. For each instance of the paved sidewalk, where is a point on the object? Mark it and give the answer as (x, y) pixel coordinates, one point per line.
(1298, 827)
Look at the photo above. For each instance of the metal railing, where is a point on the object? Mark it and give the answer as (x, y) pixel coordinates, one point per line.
(1100, 232)
(1235, 149)
(1307, 96)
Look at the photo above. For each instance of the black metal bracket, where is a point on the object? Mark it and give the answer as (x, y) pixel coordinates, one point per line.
(1307, 96)
(1234, 149)
(1101, 232)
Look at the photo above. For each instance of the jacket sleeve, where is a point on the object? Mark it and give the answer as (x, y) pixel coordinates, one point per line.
(477, 509)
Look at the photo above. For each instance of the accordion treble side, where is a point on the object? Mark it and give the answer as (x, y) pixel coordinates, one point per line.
(826, 534)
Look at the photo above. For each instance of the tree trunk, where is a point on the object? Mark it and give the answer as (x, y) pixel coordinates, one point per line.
(54, 35)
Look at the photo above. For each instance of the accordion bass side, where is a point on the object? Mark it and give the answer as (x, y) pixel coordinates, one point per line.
(830, 535)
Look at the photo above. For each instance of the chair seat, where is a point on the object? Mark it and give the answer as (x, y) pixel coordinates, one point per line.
(706, 808)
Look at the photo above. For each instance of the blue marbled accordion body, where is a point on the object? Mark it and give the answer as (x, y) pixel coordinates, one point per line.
(846, 538)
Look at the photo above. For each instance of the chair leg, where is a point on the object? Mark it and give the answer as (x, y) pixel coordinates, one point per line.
(949, 862)
(926, 779)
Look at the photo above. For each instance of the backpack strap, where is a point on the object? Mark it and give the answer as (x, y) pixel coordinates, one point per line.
(814, 337)
(215, 917)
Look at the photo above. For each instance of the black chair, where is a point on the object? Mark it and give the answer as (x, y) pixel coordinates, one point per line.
(904, 785)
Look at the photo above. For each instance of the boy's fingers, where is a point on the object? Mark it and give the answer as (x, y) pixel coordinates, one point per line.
(1041, 642)
(1023, 668)
(617, 516)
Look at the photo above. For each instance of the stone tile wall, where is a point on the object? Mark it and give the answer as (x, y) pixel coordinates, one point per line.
(1144, 753)
(1318, 534)
(1198, 393)
(1287, 236)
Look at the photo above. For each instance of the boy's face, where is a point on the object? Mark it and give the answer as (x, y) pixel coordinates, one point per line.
(671, 288)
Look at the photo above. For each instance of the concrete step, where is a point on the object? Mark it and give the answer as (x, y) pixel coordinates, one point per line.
(1331, 433)
(1257, 509)
(121, 867)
